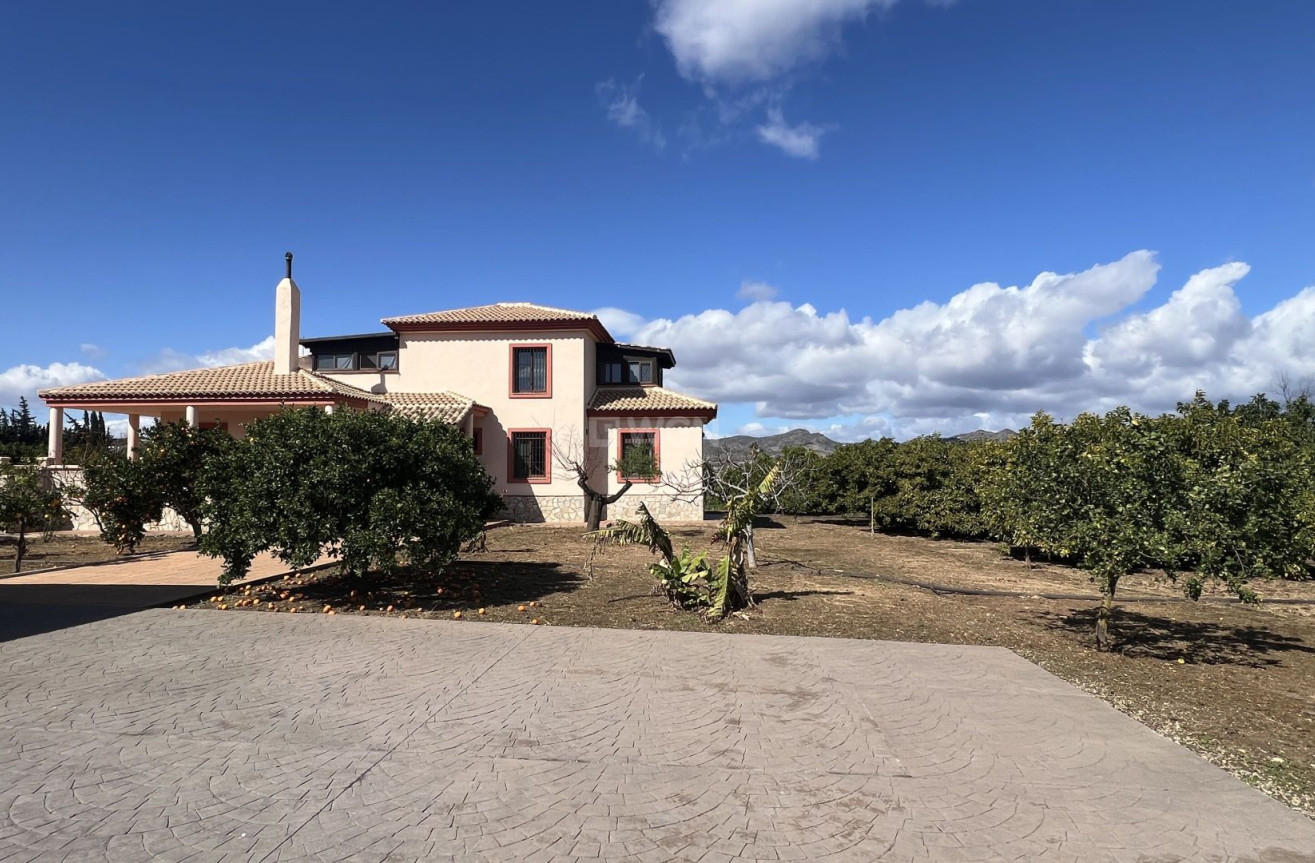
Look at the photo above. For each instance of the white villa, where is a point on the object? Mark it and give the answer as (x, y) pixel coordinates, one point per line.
(523, 381)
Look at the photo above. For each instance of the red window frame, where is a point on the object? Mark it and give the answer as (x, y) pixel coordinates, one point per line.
(547, 457)
(511, 370)
(657, 455)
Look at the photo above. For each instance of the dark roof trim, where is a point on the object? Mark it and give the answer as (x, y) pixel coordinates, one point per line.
(386, 334)
(665, 353)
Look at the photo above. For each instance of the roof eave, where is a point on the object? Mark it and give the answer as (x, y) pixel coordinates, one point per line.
(590, 325)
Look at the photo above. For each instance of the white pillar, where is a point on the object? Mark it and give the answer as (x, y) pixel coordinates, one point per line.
(193, 416)
(56, 448)
(134, 430)
(328, 409)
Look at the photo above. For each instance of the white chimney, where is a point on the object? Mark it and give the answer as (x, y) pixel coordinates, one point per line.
(287, 323)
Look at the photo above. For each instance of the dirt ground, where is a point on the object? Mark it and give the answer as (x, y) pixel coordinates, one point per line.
(64, 549)
(1235, 683)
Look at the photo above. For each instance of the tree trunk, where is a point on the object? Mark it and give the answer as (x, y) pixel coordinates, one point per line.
(595, 503)
(750, 554)
(22, 545)
(872, 516)
(1103, 616)
(593, 509)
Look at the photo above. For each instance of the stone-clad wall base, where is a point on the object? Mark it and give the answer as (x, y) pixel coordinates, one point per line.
(661, 506)
(529, 508)
(69, 481)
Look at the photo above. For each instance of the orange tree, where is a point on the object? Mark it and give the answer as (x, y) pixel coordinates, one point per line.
(373, 490)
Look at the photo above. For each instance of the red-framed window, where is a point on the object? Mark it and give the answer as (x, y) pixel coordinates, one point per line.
(531, 371)
(478, 437)
(643, 441)
(529, 455)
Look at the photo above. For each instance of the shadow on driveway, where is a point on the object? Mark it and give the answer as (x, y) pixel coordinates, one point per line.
(30, 609)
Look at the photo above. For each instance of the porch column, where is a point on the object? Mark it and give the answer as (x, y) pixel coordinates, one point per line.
(56, 448)
(193, 416)
(470, 425)
(134, 428)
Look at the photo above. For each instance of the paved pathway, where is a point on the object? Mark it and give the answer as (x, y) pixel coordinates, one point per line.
(35, 603)
(201, 735)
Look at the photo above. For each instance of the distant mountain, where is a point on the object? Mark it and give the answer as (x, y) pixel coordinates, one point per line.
(982, 434)
(738, 446)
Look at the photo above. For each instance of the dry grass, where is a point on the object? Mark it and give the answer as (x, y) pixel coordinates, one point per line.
(1235, 683)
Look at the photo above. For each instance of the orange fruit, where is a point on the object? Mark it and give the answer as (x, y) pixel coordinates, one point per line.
(389, 610)
(481, 611)
(520, 608)
(362, 608)
(534, 621)
(456, 615)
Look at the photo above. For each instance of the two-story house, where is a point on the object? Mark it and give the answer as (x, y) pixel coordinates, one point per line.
(533, 387)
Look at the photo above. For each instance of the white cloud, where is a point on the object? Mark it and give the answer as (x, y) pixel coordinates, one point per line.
(621, 103)
(26, 380)
(756, 291)
(991, 356)
(619, 322)
(171, 360)
(801, 141)
(91, 351)
(736, 42)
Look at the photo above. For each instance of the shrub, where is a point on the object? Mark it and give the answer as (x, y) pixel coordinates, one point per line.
(368, 488)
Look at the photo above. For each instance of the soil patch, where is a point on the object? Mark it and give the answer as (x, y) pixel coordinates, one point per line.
(68, 549)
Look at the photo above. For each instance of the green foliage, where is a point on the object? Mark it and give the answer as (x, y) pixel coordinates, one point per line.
(27, 503)
(637, 463)
(687, 579)
(22, 438)
(1214, 492)
(176, 455)
(124, 497)
(371, 489)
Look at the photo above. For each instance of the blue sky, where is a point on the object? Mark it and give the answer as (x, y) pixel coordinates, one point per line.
(749, 181)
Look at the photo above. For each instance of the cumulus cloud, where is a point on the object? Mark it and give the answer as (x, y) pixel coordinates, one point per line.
(803, 141)
(756, 291)
(26, 380)
(171, 360)
(621, 104)
(991, 356)
(738, 42)
(619, 322)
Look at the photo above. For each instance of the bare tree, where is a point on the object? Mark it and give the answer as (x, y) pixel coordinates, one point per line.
(726, 477)
(1292, 390)
(575, 458)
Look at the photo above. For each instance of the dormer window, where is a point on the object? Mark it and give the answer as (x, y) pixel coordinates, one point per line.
(614, 373)
(641, 371)
(384, 361)
(335, 362)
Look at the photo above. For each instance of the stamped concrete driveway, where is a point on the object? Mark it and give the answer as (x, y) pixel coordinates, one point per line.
(202, 735)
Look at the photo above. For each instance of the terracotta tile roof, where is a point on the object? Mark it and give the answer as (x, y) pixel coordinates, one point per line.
(245, 381)
(633, 399)
(448, 407)
(497, 313)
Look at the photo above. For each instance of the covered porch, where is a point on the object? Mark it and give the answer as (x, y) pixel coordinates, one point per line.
(228, 397)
